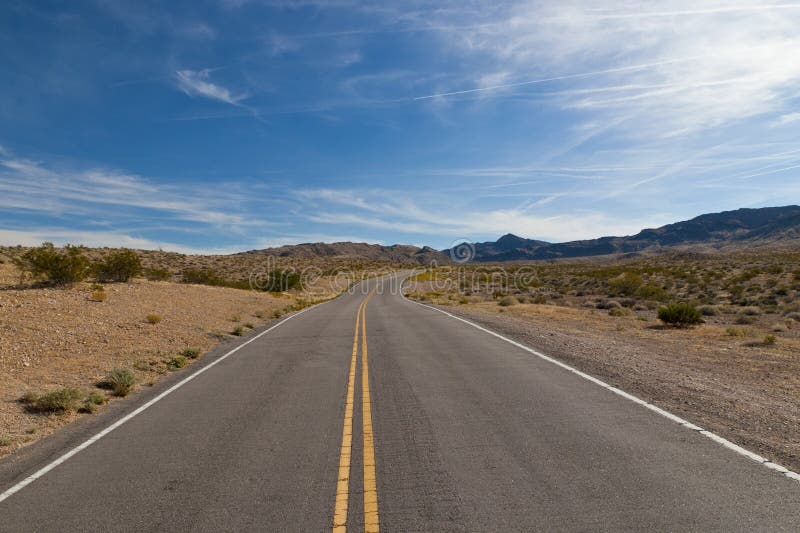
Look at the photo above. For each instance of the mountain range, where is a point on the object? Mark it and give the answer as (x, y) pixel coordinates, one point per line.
(726, 231)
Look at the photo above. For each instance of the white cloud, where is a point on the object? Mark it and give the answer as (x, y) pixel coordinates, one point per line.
(197, 83)
(32, 186)
(788, 118)
(61, 236)
(395, 210)
(677, 69)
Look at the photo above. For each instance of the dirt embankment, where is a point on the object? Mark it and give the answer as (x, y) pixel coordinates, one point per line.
(52, 338)
(745, 391)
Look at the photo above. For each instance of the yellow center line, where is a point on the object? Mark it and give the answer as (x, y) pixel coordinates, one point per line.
(345, 457)
(370, 486)
(343, 483)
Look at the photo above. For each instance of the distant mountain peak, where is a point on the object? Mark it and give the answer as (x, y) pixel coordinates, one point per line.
(727, 230)
(510, 238)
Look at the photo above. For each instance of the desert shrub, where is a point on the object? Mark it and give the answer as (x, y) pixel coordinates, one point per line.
(274, 281)
(539, 299)
(238, 331)
(58, 401)
(625, 285)
(93, 401)
(751, 311)
(744, 320)
(709, 310)
(507, 301)
(120, 381)
(53, 266)
(794, 315)
(153, 318)
(607, 304)
(652, 292)
(201, 276)
(236, 318)
(119, 266)
(191, 353)
(619, 311)
(157, 274)
(98, 295)
(176, 362)
(778, 327)
(248, 325)
(680, 315)
(734, 332)
(769, 340)
(5, 442)
(279, 281)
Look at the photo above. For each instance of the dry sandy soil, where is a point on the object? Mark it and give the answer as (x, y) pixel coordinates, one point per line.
(744, 391)
(59, 337)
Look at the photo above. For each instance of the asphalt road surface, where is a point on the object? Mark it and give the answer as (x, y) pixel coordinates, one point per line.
(464, 432)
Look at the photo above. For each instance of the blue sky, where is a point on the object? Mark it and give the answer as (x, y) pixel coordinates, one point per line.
(230, 125)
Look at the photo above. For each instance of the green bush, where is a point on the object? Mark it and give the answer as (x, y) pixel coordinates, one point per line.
(176, 362)
(157, 274)
(680, 315)
(201, 276)
(652, 292)
(769, 340)
(58, 401)
(120, 381)
(57, 267)
(153, 318)
(191, 353)
(93, 401)
(625, 285)
(119, 266)
(238, 331)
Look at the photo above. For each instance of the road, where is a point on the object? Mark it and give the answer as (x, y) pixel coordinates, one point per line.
(465, 432)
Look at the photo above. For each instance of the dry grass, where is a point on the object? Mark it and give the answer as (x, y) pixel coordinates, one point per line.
(56, 338)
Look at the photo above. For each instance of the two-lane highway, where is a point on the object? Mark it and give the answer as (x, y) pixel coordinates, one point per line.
(372, 412)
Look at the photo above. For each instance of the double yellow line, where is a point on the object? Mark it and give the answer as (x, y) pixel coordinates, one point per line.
(345, 456)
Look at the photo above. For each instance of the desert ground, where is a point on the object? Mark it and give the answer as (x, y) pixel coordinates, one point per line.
(69, 338)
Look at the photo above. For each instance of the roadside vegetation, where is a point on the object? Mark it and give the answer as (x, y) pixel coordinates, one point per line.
(81, 327)
(759, 292)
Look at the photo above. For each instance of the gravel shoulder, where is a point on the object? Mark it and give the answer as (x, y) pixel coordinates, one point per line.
(52, 338)
(748, 394)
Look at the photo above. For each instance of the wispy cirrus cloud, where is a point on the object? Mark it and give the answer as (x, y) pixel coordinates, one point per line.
(35, 187)
(681, 67)
(198, 83)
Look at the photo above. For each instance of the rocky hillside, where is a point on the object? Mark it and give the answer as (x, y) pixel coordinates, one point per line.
(729, 230)
(396, 253)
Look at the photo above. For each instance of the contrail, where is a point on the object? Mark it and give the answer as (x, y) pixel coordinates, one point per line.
(558, 78)
(709, 11)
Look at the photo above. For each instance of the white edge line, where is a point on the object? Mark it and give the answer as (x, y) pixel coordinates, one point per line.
(666, 414)
(45, 469)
